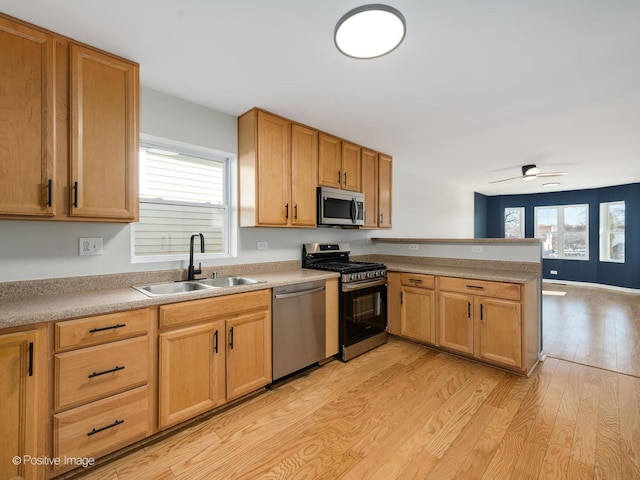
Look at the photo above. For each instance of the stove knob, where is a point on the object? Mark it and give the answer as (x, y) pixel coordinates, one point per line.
(377, 274)
(368, 275)
(351, 277)
(358, 276)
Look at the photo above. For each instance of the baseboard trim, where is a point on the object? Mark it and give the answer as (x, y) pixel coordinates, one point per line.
(588, 284)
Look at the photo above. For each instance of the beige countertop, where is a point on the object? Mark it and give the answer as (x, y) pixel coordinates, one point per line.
(16, 312)
(481, 241)
(512, 276)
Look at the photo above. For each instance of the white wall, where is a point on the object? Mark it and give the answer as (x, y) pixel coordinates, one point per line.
(41, 249)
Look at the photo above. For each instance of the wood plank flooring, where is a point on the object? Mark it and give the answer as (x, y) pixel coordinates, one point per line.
(403, 411)
(593, 326)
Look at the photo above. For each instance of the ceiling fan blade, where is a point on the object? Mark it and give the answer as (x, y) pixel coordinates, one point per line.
(507, 179)
(552, 174)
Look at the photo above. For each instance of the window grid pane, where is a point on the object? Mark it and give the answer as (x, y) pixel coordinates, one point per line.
(563, 226)
(612, 232)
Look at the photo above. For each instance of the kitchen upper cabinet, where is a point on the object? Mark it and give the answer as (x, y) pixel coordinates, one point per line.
(376, 186)
(86, 167)
(278, 171)
(104, 136)
(27, 155)
(385, 177)
(23, 402)
(339, 163)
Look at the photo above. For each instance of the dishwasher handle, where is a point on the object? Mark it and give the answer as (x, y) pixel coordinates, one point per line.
(299, 294)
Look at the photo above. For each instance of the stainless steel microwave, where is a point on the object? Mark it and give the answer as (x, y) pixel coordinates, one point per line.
(340, 207)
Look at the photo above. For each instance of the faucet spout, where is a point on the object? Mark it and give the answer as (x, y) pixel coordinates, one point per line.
(192, 271)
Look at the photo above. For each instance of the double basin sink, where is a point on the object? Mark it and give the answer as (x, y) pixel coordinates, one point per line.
(172, 288)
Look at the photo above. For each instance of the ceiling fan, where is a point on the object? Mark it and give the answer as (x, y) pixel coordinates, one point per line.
(531, 172)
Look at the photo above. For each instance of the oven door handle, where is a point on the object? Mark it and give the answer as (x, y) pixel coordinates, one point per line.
(349, 287)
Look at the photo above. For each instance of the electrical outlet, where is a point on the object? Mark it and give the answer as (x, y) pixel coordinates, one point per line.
(477, 249)
(553, 272)
(263, 245)
(414, 246)
(90, 246)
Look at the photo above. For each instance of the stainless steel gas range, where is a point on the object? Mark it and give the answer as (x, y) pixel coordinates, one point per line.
(363, 296)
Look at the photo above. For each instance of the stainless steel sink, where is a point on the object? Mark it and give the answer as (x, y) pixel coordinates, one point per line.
(229, 281)
(171, 288)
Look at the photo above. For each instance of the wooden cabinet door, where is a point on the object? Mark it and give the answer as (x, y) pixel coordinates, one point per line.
(384, 190)
(18, 409)
(455, 321)
(499, 335)
(192, 371)
(104, 136)
(329, 161)
(370, 187)
(26, 120)
(248, 353)
(417, 315)
(351, 167)
(304, 175)
(274, 170)
(394, 294)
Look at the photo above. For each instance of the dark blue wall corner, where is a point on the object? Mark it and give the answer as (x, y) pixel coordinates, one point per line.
(592, 271)
(480, 215)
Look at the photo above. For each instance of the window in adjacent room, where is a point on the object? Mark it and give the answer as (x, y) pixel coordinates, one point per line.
(514, 222)
(612, 225)
(565, 231)
(183, 191)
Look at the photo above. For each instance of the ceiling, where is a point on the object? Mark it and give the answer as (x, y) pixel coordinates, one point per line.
(477, 89)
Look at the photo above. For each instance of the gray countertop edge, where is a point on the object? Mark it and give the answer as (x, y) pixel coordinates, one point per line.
(512, 276)
(25, 311)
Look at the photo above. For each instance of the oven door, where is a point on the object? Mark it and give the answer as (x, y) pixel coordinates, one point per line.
(363, 312)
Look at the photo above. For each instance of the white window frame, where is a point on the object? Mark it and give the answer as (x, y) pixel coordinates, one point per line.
(230, 202)
(521, 214)
(560, 232)
(605, 232)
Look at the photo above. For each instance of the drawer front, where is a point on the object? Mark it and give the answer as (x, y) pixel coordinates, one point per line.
(100, 329)
(509, 291)
(417, 280)
(94, 372)
(211, 308)
(101, 427)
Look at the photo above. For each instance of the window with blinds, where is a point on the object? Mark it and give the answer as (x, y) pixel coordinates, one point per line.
(181, 194)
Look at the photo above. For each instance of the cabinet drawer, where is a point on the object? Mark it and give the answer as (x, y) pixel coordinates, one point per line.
(90, 373)
(417, 280)
(103, 328)
(103, 426)
(509, 291)
(208, 308)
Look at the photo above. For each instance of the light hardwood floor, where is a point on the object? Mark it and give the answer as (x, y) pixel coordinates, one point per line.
(593, 326)
(403, 411)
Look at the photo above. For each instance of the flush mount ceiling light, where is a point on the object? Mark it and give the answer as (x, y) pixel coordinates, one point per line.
(370, 31)
(551, 184)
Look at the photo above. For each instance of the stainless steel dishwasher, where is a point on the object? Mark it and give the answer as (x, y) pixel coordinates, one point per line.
(298, 327)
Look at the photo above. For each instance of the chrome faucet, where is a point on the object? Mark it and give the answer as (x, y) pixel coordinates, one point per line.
(192, 271)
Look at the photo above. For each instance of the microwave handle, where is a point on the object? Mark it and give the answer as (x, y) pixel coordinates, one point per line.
(354, 210)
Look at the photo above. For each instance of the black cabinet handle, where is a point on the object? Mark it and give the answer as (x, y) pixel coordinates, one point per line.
(345, 178)
(415, 280)
(231, 338)
(112, 327)
(97, 374)
(481, 312)
(31, 359)
(475, 287)
(382, 218)
(338, 177)
(295, 212)
(286, 214)
(102, 429)
(75, 194)
(215, 346)
(468, 309)
(50, 193)
(401, 297)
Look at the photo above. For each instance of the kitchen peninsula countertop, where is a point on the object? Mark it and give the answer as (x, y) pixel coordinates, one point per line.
(28, 310)
(497, 275)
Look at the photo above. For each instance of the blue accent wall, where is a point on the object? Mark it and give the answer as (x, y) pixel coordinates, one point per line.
(480, 215)
(592, 271)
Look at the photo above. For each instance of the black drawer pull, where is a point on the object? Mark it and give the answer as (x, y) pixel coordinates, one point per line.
(102, 429)
(415, 280)
(50, 193)
(475, 287)
(112, 327)
(75, 194)
(97, 374)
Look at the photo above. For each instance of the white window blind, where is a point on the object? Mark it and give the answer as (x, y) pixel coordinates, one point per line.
(181, 194)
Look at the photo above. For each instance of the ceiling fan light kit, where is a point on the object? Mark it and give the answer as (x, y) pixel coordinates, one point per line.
(531, 172)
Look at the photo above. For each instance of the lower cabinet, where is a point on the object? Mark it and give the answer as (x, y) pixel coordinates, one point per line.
(212, 351)
(101, 385)
(496, 322)
(22, 401)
